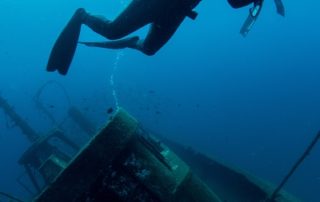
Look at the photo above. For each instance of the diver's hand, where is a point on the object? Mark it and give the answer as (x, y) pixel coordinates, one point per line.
(280, 7)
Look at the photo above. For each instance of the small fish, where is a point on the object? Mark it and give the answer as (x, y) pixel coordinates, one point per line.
(110, 110)
(151, 92)
(51, 106)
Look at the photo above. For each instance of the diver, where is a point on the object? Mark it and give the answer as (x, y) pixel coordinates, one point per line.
(164, 16)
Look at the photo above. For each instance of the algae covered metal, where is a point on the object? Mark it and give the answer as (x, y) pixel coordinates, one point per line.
(123, 163)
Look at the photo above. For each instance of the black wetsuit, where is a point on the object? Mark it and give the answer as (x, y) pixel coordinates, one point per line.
(165, 16)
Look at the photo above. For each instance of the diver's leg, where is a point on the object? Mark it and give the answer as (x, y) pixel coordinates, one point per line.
(136, 15)
(159, 34)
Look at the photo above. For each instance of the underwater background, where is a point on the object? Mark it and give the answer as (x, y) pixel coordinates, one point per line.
(250, 102)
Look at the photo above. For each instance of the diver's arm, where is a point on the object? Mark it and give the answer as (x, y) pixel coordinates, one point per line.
(254, 12)
(240, 4)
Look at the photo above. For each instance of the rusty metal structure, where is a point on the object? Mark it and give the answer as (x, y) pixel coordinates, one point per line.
(43, 157)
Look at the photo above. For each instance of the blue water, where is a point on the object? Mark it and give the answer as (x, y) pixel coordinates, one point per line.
(250, 102)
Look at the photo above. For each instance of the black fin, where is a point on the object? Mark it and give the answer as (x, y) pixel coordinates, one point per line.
(130, 42)
(65, 46)
(280, 7)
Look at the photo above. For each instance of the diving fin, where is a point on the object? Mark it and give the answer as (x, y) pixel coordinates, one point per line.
(130, 42)
(251, 19)
(65, 46)
(280, 7)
